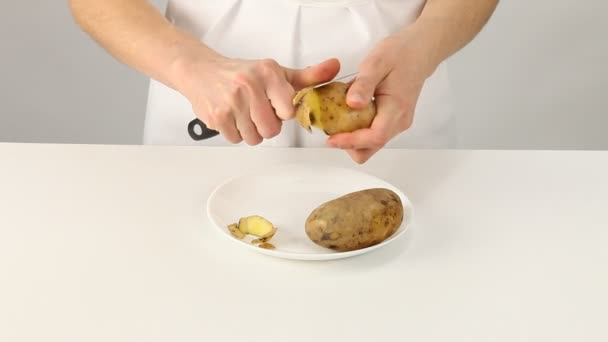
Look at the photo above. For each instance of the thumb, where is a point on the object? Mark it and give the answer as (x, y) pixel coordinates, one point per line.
(322, 72)
(371, 72)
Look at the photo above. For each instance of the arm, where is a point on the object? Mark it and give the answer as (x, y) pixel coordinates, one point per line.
(396, 69)
(135, 33)
(248, 99)
(446, 26)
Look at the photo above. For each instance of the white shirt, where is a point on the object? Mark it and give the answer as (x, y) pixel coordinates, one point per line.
(297, 33)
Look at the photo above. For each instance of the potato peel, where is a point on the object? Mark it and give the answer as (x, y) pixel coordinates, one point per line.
(254, 225)
(242, 225)
(266, 237)
(303, 110)
(266, 245)
(235, 231)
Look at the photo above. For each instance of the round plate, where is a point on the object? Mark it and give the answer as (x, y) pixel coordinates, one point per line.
(286, 195)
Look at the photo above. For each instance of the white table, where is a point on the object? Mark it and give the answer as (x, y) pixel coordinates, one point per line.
(111, 243)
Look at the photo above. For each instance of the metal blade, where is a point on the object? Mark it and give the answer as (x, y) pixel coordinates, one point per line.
(336, 79)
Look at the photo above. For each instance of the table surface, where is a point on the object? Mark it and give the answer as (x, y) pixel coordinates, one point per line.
(112, 243)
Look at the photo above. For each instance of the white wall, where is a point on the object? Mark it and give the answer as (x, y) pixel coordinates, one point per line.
(59, 86)
(535, 78)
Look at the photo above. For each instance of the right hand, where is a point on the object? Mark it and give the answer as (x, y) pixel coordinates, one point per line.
(248, 100)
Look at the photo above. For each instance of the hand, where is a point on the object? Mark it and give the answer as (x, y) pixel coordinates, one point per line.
(247, 100)
(394, 72)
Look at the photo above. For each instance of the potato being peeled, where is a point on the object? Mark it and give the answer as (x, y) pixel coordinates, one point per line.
(325, 108)
(357, 220)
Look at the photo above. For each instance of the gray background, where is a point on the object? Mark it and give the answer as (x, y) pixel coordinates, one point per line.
(535, 78)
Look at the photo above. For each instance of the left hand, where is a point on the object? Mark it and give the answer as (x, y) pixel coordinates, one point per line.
(394, 73)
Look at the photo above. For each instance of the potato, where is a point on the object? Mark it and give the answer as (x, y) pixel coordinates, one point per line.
(357, 220)
(325, 108)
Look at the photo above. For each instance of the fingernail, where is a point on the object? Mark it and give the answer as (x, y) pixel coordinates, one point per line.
(356, 98)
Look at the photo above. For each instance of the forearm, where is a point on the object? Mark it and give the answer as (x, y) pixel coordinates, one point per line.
(446, 26)
(135, 33)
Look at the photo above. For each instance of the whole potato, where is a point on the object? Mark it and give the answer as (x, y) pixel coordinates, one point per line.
(325, 108)
(356, 220)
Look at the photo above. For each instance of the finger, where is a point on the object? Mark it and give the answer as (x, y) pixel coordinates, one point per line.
(322, 72)
(280, 93)
(239, 97)
(359, 139)
(276, 89)
(262, 114)
(225, 124)
(247, 128)
(371, 72)
(362, 155)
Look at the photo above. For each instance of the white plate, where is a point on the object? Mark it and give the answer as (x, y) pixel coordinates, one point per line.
(286, 195)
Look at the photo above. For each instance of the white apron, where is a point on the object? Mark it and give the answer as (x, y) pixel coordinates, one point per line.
(297, 33)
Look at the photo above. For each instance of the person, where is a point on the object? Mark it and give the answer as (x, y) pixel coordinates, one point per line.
(236, 65)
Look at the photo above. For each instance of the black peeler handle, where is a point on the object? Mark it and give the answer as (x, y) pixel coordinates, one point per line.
(205, 132)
